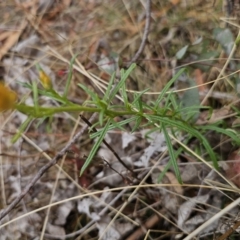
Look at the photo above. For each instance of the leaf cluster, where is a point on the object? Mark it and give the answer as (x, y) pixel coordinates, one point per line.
(163, 115)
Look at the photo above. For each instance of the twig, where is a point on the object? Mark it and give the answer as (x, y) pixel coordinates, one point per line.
(123, 178)
(144, 227)
(43, 170)
(109, 147)
(229, 231)
(145, 34)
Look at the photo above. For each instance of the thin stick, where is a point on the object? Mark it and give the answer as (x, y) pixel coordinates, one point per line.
(123, 178)
(145, 34)
(229, 231)
(109, 147)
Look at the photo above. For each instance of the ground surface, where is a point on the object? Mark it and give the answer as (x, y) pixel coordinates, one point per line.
(109, 201)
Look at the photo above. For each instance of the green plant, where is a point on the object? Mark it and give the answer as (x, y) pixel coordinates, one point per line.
(165, 117)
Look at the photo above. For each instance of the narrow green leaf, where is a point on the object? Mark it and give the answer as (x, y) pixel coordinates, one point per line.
(50, 93)
(124, 95)
(138, 102)
(129, 70)
(26, 85)
(101, 116)
(111, 127)
(140, 109)
(167, 102)
(95, 147)
(169, 164)
(190, 113)
(168, 85)
(147, 107)
(138, 95)
(173, 101)
(168, 121)
(40, 121)
(228, 132)
(172, 154)
(148, 133)
(162, 174)
(93, 95)
(35, 96)
(69, 76)
(109, 88)
(21, 129)
(189, 129)
(124, 76)
(116, 125)
(210, 151)
(137, 124)
(116, 108)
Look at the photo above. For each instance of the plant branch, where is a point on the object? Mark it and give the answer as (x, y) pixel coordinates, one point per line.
(39, 174)
(145, 34)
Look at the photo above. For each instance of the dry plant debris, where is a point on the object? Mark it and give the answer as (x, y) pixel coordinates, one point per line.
(129, 191)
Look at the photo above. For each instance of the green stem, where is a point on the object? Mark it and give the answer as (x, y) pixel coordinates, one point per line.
(46, 111)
